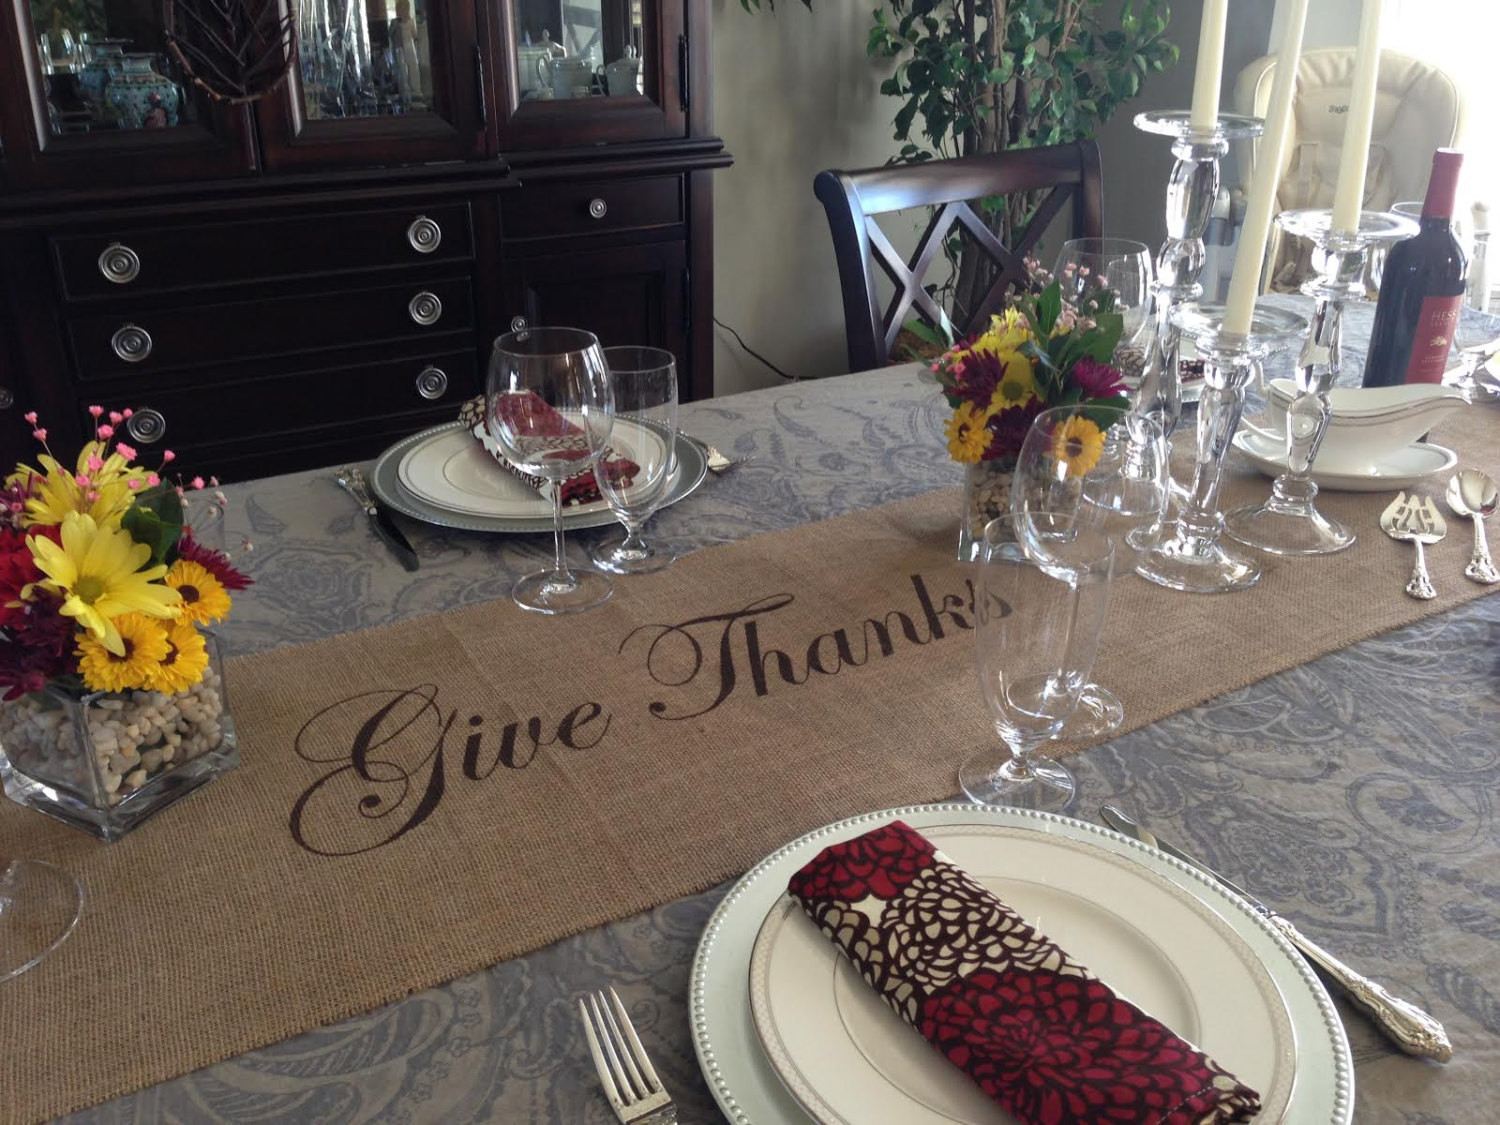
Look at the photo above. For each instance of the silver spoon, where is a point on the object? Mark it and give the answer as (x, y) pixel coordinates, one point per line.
(1472, 494)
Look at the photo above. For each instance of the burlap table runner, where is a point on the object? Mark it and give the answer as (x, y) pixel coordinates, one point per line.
(525, 778)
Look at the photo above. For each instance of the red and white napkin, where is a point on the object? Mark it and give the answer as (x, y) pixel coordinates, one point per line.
(1031, 1026)
(581, 488)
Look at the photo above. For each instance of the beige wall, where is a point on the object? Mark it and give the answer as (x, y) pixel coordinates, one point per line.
(794, 93)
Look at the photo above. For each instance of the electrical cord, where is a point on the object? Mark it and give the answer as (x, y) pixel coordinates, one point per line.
(755, 354)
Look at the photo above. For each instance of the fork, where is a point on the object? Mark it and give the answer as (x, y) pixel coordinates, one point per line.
(630, 1083)
(1415, 520)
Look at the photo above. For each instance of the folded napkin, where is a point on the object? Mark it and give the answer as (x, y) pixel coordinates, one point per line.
(540, 418)
(1035, 1029)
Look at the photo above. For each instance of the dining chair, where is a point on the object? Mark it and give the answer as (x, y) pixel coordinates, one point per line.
(950, 188)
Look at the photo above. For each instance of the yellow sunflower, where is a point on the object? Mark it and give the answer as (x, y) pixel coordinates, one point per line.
(1078, 443)
(1010, 329)
(968, 433)
(1016, 386)
(183, 664)
(55, 491)
(97, 572)
(204, 598)
(143, 645)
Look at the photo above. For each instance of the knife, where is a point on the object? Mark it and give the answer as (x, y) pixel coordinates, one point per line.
(352, 481)
(1407, 1025)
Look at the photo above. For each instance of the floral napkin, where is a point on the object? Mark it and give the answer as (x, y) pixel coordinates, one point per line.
(581, 488)
(1034, 1028)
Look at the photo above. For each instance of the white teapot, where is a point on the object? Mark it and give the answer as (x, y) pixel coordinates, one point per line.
(623, 76)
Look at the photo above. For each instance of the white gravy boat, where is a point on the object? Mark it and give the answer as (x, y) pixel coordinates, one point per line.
(1368, 423)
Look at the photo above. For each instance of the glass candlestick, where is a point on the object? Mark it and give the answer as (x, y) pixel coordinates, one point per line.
(1191, 191)
(1289, 523)
(1189, 555)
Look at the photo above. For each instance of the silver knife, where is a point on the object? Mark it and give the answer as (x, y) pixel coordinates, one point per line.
(1407, 1025)
(352, 481)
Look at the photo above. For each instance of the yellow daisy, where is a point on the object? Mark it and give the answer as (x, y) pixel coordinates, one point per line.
(1078, 443)
(183, 664)
(1017, 385)
(204, 598)
(97, 572)
(143, 644)
(1010, 329)
(968, 433)
(55, 492)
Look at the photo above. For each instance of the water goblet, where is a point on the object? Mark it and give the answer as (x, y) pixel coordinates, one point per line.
(548, 405)
(1101, 467)
(644, 385)
(1037, 628)
(39, 906)
(1085, 266)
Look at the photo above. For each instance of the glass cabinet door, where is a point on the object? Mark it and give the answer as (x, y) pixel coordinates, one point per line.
(379, 82)
(91, 95)
(586, 71)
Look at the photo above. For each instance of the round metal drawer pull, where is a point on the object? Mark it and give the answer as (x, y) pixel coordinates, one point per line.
(518, 324)
(131, 343)
(7, 398)
(598, 208)
(119, 264)
(146, 426)
(425, 308)
(432, 382)
(424, 235)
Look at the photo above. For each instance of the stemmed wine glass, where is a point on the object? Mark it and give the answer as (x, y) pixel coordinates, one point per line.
(1473, 344)
(548, 404)
(1123, 265)
(644, 384)
(1037, 630)
(1103, 468)
(39, 906)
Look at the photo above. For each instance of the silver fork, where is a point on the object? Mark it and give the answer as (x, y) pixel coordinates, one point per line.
(634, 1091)
(1416, 520)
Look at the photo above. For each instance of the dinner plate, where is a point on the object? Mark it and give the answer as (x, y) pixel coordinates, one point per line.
(749, 1090)
(385, 481)
(1419, 461)
(454, 471)
(848, 1058)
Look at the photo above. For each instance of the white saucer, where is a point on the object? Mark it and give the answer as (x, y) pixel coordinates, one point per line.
(1419, 461)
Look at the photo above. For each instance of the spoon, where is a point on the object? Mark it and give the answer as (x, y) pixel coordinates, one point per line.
(1472, 494)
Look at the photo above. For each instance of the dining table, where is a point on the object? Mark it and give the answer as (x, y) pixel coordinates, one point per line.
(1355, 794)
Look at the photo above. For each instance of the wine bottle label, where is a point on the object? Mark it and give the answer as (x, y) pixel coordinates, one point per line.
(1434, 335)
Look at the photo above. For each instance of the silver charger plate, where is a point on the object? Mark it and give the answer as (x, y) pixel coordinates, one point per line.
(692, 468)
(746, 1086)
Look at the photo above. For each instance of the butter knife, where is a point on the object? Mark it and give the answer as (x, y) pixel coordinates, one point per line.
(352, 481)
(1407, 1025)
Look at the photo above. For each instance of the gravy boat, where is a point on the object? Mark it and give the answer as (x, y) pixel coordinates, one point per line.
(1368, 423)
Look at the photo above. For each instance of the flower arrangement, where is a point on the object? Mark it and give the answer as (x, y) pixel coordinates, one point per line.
(1041, 351)
(103, 587)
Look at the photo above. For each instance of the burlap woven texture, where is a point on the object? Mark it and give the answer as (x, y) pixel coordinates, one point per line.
(422, 800)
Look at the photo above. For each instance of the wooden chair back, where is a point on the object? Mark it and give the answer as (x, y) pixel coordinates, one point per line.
(854, 199)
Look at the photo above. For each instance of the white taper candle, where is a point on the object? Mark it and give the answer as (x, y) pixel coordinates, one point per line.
(1244, 285)
(1349, 194)
(1210, 69)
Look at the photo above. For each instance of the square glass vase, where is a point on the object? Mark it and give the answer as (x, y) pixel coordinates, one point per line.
(986, 497)
(106, 761)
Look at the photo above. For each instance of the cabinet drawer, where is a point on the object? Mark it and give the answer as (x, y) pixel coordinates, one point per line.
(590, 206)
(146, 341)
(275, 417)
(119, 263)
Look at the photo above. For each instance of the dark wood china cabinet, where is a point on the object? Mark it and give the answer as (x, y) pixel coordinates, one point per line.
(300, 280)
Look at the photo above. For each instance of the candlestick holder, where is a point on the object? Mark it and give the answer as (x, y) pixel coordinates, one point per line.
(1189, 556)
(1289, 523)
(1191, 191)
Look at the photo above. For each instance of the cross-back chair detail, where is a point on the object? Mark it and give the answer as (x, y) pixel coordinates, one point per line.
(853, 200)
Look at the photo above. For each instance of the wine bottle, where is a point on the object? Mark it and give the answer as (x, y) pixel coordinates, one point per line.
(1421, 290)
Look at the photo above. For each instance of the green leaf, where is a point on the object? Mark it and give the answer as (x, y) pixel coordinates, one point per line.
(155, 520)
(1048, 308)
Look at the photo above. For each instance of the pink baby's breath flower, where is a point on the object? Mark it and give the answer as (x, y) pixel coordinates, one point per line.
(196, 482)
(214, 481)
(82, 479)
(96, 410)
(125, 451)
(167, 457)
(93, 496)
(95, 463)
(106, 432)
(126, 413)
(152, 479)
(133, 483)
(181, 492)
(115, 417)
(30, 417)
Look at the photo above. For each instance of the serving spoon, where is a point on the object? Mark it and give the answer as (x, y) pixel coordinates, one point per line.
(1471, 494)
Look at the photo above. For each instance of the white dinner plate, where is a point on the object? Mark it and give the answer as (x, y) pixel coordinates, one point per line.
(1419, 461)
(749, 1090)
(385, 482)
(849, 1059)
(452, 470)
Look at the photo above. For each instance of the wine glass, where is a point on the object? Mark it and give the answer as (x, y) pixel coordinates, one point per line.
(1473, 344)
(39, 906)
(548, 404)
(634, 472)
(1104, 468)
(1086, 266)
(1036, 632)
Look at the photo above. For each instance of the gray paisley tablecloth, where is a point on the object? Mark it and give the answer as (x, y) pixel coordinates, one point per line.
(1358, 794)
